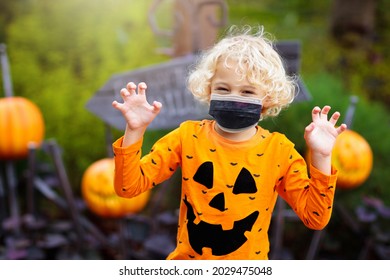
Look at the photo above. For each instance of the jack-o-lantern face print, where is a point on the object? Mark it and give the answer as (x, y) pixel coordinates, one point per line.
(213, 236)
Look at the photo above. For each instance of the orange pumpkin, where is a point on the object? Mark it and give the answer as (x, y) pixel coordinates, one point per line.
(21, 123)
(353, 158)
(98, 192)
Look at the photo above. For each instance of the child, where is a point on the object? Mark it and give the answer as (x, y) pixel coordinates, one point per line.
(232, 168)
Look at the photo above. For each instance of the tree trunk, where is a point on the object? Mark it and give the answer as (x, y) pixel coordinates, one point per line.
(353, 21)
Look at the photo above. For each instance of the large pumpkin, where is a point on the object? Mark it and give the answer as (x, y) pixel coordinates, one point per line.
(21, 123)
(352, 157)
(99, 195)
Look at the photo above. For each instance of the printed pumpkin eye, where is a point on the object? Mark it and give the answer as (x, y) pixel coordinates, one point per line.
(244, 183)
(204, 175)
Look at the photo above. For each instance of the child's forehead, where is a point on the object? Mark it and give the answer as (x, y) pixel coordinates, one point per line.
(239, 67)
(232, 75)
(232, 62)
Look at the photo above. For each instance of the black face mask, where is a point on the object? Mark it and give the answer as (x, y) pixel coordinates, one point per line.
(235, 113)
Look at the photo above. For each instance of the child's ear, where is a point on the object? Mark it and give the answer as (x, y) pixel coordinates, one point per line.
(265, 103)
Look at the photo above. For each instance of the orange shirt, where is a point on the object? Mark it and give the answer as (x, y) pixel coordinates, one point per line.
(229, 189)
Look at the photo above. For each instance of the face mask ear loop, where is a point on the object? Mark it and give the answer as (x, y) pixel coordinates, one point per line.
(262, 103)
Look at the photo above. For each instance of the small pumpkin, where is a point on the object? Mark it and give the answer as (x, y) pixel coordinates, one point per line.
(21, 123)
(353, 158)
(98, 192)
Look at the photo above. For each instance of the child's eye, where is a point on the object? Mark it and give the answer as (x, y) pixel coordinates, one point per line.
(248, 92)
(222, 89)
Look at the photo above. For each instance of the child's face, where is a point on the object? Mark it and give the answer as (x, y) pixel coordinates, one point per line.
(226, 81)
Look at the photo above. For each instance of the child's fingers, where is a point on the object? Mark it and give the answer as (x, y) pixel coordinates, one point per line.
(310, 127)
(315, 113)
(324, 112)
(131, 87)
(142, 88)
(117, 105)
(335, 117)
(156, 107)
(341, 128)
(124, 93)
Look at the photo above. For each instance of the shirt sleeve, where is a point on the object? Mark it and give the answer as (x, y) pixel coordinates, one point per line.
(135, 174)
(310, 196)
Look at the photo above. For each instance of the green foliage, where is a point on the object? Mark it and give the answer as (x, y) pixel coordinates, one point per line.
(62, 52)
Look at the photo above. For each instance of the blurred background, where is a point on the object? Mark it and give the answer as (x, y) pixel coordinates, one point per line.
(56, 197)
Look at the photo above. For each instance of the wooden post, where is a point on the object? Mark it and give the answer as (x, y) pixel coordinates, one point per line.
(54, 152)
(195, 25)
(31, 163)
(10, 176)
(13, 196)
(3, 203)
(7, 84)
(353, 100)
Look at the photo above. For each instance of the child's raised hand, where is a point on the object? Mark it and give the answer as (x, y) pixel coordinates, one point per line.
(136, 110)
(321, 133)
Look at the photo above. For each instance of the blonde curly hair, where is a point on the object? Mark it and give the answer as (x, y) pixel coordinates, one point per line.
(256, 60)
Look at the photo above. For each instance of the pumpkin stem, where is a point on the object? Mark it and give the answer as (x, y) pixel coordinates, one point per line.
(6, 72)
(353, 100)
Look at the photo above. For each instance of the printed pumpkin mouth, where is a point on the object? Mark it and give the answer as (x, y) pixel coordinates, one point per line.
(221, 242)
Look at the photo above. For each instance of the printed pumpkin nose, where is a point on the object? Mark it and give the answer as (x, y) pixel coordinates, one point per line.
(218, 202)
